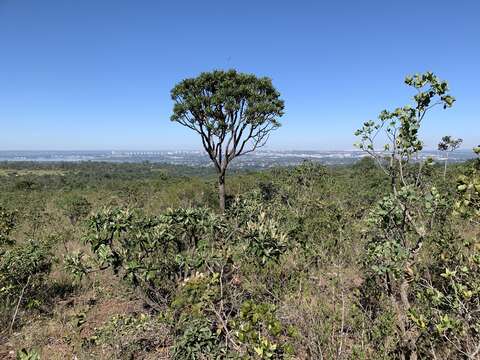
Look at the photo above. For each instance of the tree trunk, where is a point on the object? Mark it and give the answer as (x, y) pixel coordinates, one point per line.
(401, 304)
(445, 168)
(221, 191)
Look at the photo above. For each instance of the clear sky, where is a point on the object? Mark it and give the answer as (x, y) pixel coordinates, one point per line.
(96, 74)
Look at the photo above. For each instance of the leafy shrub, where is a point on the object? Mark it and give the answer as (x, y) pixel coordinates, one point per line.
(23, 269)
(76, 265)
(468, 190)
(196, 293)
(74, 207)
(448, 297)
(446, 314)
(25, 354)
(143, 250)
(258, 328)
(194, 226)
(25, 185)
(203, 328)
(7, 224)
(125, 336)
(197, 340)
(198, 332)
(265, 241)
(28, 262)
(305, 176)
(246, 208)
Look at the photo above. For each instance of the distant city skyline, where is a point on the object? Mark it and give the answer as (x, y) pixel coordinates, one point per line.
(198, 158)
(96, 75)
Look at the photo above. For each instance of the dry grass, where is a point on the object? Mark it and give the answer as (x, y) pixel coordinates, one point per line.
(63, 333)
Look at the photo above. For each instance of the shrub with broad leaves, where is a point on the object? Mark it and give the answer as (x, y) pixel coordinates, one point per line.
(144, 250)
(265, 240)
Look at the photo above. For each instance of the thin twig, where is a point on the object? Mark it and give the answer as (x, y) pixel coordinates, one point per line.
(342, 333)
(18, 303)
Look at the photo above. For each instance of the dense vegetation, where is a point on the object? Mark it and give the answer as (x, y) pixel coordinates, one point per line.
(378, 260)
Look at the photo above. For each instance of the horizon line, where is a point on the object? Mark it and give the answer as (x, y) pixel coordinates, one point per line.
(201, 150)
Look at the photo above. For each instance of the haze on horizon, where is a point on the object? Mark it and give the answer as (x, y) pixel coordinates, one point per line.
(96, 75)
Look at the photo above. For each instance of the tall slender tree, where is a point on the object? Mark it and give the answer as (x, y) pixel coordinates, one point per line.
(404, 220)
(234, 114)
(448, 144)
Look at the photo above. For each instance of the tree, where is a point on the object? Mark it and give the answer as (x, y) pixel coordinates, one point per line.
(411, 220)
(448, 144)
(234, 114)
(74, 207)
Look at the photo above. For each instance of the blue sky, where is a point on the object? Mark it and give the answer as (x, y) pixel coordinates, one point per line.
(96, 74)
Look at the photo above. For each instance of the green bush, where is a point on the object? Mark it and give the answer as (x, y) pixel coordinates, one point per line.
(468, 191)
(145, 250)
(25, 354)
(198, 340)
(258, 328)
(23, 272)
(7, 224)
(28, 262)
(74, 207)
(265, 241)
(126, 336)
